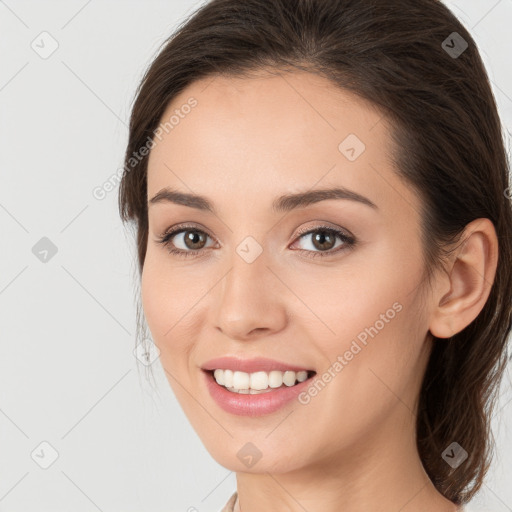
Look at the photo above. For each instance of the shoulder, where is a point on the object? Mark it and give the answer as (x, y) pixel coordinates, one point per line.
(229, 506)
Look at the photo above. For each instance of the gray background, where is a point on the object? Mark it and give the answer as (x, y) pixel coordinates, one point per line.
(68, 375)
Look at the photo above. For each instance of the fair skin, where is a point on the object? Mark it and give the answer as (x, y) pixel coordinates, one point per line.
(248, 141)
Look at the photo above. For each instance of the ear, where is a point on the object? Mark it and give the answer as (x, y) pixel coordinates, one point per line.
(469, 279)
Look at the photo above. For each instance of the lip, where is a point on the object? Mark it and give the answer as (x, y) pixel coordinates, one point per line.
(258, 364)
(252, 405)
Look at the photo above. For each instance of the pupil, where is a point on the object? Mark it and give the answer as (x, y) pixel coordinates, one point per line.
(194, 237)
(321, 238)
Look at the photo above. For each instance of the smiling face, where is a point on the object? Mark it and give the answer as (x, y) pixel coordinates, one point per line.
(266, 277)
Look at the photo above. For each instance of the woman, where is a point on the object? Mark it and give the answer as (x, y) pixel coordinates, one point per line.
(320, 193)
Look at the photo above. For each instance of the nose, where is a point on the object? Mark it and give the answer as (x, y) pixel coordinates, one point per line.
(250, 300)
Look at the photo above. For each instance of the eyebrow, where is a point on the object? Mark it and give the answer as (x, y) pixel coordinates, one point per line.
(284, 203)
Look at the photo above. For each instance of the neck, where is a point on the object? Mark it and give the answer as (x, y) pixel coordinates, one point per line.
(383, 474)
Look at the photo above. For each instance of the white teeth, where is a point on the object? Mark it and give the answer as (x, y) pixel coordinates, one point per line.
(289, 378)
(219, 376)
(241, 380)
(275, 379)
(257, 382)
(228, 378)
(302, 376)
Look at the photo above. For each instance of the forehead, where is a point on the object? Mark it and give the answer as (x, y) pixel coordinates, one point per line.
(285, 108)
(282, 132)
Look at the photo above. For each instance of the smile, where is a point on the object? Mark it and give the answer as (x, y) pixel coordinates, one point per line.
(258, 382)
(254, 387)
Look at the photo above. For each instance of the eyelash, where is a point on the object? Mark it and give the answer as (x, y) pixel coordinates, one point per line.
(347, 240)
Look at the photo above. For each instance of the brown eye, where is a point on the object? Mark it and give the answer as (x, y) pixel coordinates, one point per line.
(189, 241)
(184, 241)
(323, 240)
(194, 239)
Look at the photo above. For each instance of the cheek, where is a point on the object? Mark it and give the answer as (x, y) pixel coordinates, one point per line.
(365, 297)
(162, 302)
(376, 316)
(378, 352)
(169, 299)
(153, 298)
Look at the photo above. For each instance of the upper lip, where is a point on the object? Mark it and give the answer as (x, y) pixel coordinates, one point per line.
(258, 364)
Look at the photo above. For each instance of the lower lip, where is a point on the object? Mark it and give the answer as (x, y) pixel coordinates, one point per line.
(252, 405)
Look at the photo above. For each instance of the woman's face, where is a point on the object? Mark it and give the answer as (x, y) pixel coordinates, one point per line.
(267, 280)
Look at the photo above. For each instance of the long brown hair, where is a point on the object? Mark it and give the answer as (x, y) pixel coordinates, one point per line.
(403, 57)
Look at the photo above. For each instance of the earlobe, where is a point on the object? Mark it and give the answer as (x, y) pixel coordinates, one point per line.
(471, 274)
